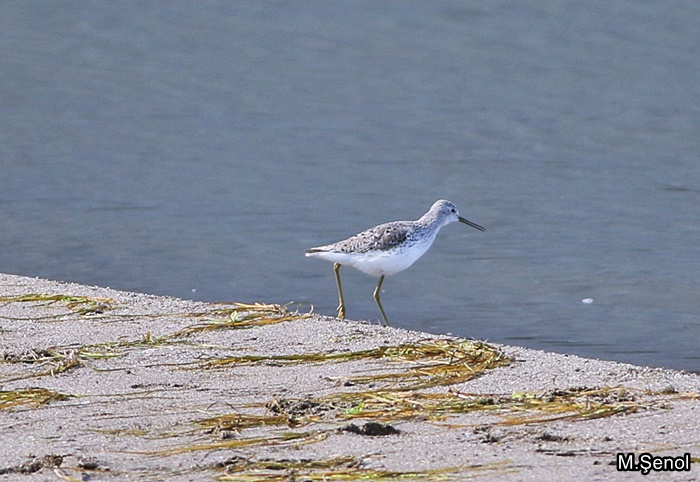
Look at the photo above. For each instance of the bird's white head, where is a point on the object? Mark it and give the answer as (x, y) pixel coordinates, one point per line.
(445, 212)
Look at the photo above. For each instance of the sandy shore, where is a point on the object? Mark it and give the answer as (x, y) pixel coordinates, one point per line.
(99, 384)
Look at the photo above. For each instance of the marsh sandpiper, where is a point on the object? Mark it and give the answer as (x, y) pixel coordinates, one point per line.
(388, 248)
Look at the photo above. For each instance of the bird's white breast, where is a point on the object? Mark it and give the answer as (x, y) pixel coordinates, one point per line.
(378, 263)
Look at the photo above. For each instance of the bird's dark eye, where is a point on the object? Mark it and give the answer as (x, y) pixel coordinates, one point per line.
(453, 210)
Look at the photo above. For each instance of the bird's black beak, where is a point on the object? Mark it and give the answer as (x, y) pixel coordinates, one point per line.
(469, 223)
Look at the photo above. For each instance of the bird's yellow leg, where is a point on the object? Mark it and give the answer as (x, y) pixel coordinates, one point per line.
(376, 298)
(341, 301)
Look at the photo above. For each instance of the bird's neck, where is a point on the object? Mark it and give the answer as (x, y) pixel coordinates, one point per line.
(430, 220)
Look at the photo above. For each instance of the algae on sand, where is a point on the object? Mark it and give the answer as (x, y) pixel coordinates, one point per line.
(29, 396)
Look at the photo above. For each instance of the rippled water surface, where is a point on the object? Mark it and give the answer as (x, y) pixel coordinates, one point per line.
(195, 149)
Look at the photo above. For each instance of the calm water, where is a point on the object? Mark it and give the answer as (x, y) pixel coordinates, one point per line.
(196, 149)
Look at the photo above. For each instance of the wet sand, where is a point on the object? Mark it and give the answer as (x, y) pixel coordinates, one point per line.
(99, 384)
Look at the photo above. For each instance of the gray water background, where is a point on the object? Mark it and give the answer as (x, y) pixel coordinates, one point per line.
(195, 149)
